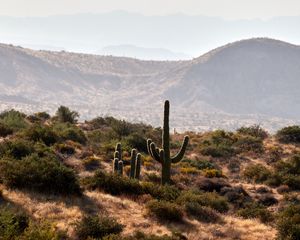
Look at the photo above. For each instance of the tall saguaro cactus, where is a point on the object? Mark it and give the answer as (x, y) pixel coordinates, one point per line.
(163, 155)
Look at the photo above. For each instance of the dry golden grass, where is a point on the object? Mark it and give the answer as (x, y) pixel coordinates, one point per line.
(64, 211)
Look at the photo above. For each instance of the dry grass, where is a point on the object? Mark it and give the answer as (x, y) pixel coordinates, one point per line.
(64, 211)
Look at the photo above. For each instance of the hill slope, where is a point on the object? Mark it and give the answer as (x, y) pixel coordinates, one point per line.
(250, 79)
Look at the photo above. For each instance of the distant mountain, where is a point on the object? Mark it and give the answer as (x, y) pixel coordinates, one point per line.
(143, 53)
(193, 35)
(250, 81)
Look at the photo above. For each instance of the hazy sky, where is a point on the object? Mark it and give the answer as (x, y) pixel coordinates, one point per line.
(230, 9)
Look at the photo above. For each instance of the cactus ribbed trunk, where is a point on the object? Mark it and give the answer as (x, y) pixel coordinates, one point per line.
(166, 170)
(163, 155)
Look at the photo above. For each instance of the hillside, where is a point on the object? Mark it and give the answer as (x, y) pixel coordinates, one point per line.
(250, 81)
(58, 180)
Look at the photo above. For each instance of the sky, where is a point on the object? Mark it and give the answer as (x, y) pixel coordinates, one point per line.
(228, 9)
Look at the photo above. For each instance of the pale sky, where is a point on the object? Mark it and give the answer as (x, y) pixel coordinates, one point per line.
(229, 9)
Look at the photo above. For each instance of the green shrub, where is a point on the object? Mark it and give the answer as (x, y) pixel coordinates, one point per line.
(202, 213)
(12, 224)
(67, 131)
(136, 141)
(43, 174)
(200, 164)
(64, 114)
(42, 231)
(208, 199)
(218, 144)
(40, 133)
(255, 131)
(97, 227)
(13, 119)
(65, 149)
(161, 192)
(113, 184)
(288, 225)
(5, 130)
(257, 173)
(164, 210)
(17, 148)
(289, 134)
(255, 210)
(143, 236)
(249, 144)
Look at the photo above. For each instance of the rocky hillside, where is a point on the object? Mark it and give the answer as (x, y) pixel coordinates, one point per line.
(254, 80)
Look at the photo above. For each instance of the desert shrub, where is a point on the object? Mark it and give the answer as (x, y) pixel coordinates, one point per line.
(65, 149)
(255, 131)
(289, 134)
(121, 128)
(288, 225)
(44, 174)
(5, 130)
(135, 140)
(97, 227)
(161, 192)
(17, 148)
(199, 164)
(249, 144)
(64, 114)
(91, 163)
(143, 236)
(212, 173)
(12, 224)
(44, 134)
(267, 199)
(67, 131)
(113, 184)
(257, 173)
(291, 166)
(164, 210)
(211, 184)
(42, 116)
(218, 144)
(283, 189)
(288, 172)
(208, 199)
(201, 213)
(42, 231)
(13, 119)
(255, 210)
(236, 195)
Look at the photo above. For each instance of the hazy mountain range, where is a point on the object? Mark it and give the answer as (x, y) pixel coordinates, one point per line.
(191, 35)
(249, 81)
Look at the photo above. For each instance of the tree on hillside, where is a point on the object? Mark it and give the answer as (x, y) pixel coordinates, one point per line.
(64, 114)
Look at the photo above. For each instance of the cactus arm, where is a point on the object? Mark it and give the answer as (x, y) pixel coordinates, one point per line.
(149, 141)
(178, 157)
(133, 163)
(154, 152)
(138, 166)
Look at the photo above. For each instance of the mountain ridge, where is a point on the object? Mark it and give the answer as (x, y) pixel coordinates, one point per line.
(257, 76)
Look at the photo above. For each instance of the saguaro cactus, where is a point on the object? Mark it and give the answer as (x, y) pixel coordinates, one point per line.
(135, 162)
(163, 155)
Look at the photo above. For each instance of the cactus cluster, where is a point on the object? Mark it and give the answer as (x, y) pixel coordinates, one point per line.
(163, 155)
(135, 162)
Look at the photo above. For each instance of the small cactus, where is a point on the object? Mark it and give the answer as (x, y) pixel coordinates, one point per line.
(135, 162)
(138, 163)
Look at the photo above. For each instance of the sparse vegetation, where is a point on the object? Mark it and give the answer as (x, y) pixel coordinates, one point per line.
(69, 165)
